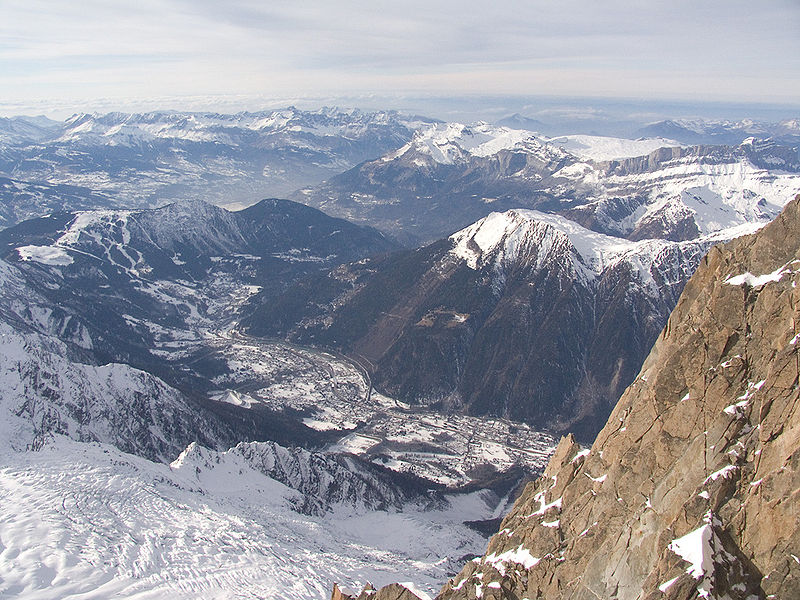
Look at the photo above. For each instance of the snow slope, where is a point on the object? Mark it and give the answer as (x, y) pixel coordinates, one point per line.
(600, 148)
(87, 521)
(46, 392)
(80, 518)
(503, 239)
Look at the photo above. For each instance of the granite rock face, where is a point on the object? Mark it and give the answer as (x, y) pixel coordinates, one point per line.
(692, 489)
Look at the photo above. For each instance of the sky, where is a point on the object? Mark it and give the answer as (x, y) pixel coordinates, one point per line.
(57, 55)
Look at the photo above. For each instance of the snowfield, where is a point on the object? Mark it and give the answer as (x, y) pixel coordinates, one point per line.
(601, 148)
(82, 520)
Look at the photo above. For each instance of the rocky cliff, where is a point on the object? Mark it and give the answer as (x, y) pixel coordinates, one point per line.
(692, 489)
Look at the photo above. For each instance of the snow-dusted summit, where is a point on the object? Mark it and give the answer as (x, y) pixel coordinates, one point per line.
(452, 143)
(450, 175)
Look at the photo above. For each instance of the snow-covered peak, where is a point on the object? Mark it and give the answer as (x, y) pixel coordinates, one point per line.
(22, 130)
(792, 125)
(119, 236)
(512, 235)
(319, 481)
(543, 241)
(449, 143)
(699, 125)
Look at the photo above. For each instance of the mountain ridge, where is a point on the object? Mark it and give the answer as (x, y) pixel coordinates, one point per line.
(607, 187)
(144, 160)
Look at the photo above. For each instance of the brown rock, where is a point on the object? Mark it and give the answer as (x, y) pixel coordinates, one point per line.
(392, 591)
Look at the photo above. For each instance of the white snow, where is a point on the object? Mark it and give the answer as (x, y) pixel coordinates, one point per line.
(514, 233)
(449, 143)
(518, 556)
(85, 520)
(529, 237)
(585, 531)
(415, 589)
(725, 472)
(551, 524)
(580, 455)
(234, 397)
(47, 255)
(737, 408)
(752, 388)
(543, 507)
(715, 195)
(757, 280)
(667, 584)
(602, 148)
(696, 548)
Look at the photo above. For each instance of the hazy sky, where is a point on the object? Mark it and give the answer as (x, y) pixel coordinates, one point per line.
(720, 50)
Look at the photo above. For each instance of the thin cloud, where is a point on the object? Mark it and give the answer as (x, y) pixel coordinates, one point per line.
(720, 49)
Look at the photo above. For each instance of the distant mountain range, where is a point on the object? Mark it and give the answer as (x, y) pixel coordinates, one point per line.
(691, 131)
(700, 131)
(147, 160)
(450, 175)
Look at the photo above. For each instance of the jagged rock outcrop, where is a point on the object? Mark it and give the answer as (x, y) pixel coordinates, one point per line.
(392, 591)
(692, 489)
(324, 480)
